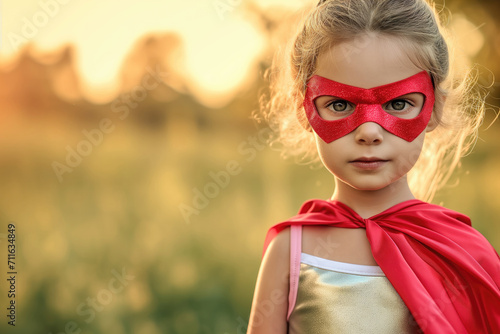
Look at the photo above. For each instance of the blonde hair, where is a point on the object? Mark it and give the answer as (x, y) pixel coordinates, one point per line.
(458, 110)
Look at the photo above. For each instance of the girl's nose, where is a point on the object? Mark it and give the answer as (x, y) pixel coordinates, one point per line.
(369, 133)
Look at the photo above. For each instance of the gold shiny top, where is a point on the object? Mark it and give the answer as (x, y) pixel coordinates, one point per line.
(335, 297)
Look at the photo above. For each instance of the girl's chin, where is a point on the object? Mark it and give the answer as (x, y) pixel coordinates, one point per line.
(370, 186)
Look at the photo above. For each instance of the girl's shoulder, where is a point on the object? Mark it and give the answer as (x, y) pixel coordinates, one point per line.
(280, 245)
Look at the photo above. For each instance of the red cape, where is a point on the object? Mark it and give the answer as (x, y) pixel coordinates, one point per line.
(445, 271)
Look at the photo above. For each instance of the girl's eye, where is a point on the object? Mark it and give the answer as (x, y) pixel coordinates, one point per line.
(398, 105)
(339, 105)
(333, 108)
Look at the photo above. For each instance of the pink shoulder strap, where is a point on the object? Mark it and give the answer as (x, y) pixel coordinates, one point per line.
(295, 251)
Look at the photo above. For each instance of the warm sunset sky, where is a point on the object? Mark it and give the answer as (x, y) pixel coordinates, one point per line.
(219, 46)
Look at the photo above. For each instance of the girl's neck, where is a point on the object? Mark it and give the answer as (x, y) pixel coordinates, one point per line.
(368, 203)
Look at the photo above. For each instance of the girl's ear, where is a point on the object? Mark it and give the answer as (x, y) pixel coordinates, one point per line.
(433, 123)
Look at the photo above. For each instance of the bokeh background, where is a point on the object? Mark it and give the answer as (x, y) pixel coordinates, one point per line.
(116, 119)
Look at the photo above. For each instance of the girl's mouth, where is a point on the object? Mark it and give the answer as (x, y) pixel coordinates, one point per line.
(368, 163)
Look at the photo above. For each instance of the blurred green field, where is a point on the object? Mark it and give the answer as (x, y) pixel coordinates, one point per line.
(120, 209)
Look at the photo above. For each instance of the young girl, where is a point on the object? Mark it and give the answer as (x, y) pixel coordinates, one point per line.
(370, 83)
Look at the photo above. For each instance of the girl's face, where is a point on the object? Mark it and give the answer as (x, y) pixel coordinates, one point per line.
(370, 157)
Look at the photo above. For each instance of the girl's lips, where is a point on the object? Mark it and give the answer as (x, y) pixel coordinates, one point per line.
(368, 163)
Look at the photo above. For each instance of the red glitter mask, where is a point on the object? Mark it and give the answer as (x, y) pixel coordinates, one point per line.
(368, 106)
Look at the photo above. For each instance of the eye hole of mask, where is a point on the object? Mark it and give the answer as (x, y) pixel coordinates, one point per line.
(407, 106)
